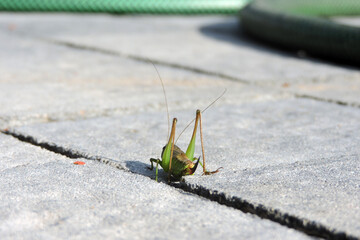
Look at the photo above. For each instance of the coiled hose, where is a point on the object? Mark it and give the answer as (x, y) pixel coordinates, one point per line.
(305, 25)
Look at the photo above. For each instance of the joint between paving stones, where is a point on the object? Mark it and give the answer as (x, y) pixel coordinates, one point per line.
(48, 146)
(61, 150)
(308, 227)
(146, 60)
(338, 102)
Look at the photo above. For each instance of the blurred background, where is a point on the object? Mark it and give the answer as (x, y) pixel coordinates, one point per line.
(321, 28)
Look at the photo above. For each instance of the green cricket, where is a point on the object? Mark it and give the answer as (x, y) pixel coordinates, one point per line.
(173, 160)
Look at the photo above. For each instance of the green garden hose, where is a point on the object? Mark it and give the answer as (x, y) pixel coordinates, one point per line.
(304, 25)
(298, 24)
(127, 6)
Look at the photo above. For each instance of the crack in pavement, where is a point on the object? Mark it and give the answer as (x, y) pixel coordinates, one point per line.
(311, 228)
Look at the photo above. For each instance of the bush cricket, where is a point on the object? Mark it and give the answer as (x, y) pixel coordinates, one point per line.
(173, 159)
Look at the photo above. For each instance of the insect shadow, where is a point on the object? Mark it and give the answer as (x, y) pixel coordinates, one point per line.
(143, 169)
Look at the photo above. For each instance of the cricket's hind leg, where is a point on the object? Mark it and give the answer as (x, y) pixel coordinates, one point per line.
(205, 172)
(212, 172)
(167, 153)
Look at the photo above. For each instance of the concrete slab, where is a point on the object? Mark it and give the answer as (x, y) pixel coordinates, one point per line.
(45, 83)
(45, 196)
(210, 44)
(299, 156)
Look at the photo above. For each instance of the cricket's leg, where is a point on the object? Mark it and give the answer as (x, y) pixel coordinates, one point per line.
(198, 116)
(172, 139)
(169, 150)
(152, 160)
(191, 148)
(157, 170)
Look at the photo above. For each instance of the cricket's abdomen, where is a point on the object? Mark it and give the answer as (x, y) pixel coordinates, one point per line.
(181, 164)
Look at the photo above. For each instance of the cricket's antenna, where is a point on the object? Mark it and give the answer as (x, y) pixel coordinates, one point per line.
(212, 103)
(166, 102)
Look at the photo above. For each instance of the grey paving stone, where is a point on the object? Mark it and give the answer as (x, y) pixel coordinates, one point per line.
(45, 196)
(208, 43)
(42, 83)
(297, 155)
